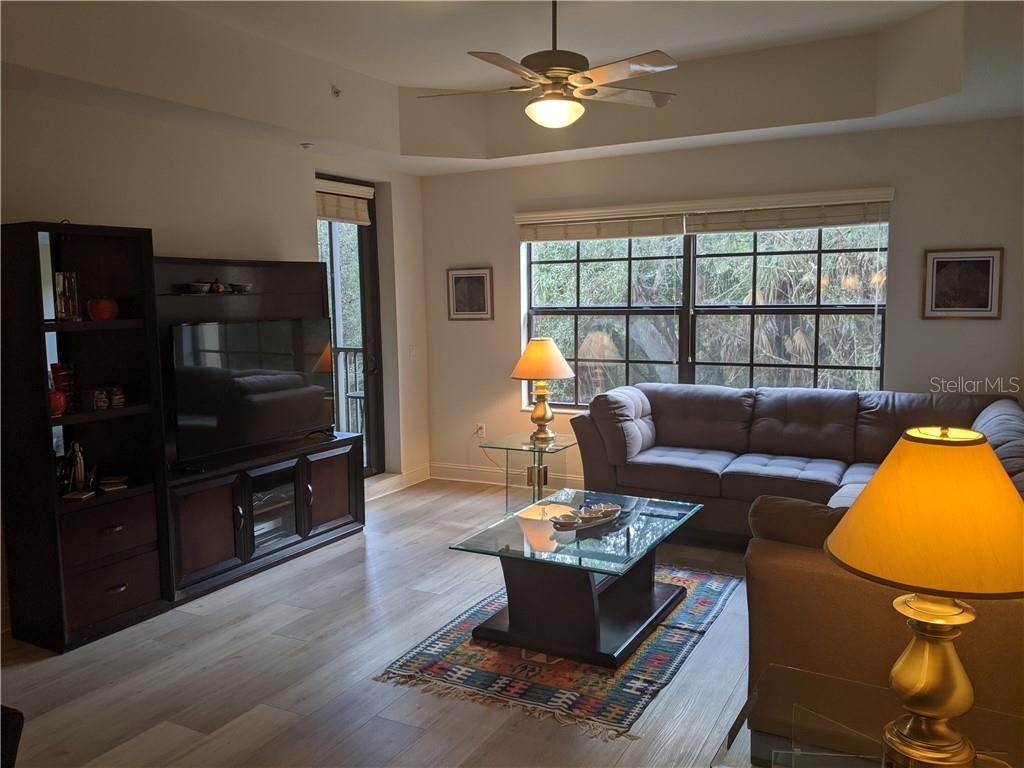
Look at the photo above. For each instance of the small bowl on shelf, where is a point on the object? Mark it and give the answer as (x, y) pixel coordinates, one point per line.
(197, 287)
(240, 287)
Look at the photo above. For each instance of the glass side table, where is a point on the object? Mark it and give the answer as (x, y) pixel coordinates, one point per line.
(529, 466)
(795, 718)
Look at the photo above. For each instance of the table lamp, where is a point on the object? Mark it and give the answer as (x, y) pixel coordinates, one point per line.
(540, 362)
(942, 519)
(325, 363)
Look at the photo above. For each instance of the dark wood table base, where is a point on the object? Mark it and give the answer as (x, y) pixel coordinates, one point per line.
(579, 615)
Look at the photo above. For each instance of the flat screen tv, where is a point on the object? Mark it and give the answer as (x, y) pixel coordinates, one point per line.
(242, 384)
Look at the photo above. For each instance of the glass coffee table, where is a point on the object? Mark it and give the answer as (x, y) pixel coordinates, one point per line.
(587, 595)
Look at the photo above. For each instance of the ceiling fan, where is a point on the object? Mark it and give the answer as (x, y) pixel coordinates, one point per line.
(566, 78)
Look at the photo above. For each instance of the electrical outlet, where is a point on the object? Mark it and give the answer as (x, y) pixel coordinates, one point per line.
(481, 431)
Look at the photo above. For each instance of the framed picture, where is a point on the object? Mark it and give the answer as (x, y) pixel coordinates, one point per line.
(963, 282)
(470, 294)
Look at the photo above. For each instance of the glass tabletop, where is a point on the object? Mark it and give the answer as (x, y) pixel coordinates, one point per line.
(521, 442)
(612, 548)
(796, 718)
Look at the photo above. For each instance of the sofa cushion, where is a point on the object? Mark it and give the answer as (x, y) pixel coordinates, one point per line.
(701, 416)
(623, 419)
(676, 470)
(859, 473)
(793, 521)
(816, 423)
(756, 474)
(883, 416)
(846, 495)
(1002, 422)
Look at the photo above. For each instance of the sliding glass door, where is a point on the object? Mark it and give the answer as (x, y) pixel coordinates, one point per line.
(350, 252)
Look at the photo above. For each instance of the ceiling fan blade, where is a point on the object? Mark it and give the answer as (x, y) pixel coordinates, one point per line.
(512, 89)
(635, 97)
(648, 63)
(500, 60)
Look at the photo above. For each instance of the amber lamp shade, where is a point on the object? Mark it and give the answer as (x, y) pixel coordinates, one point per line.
(940, 516)
(942, 519)
(325, 363)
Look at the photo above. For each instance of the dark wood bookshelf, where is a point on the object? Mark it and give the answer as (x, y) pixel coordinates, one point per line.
(82, 326)
(101, 499)
(63, 556)
(104, 414)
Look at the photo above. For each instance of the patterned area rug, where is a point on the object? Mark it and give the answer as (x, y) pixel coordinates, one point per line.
(604, 702)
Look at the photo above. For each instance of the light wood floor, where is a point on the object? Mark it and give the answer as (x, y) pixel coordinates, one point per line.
(277, 669)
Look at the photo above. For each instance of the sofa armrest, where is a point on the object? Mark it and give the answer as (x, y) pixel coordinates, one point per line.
(793, 521)
(598, 473)
(623, 419)
(807, 612)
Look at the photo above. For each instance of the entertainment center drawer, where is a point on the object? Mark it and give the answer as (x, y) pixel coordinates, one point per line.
(98, 532)
(105, 592)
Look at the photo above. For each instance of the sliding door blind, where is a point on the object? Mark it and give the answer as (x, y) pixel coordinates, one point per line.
(343, 202)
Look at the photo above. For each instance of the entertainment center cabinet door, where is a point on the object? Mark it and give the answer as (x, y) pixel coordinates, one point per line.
(328, 490)
(209, 523)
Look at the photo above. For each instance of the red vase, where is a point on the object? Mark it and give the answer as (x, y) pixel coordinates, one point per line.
(101, 309)
(58, 403)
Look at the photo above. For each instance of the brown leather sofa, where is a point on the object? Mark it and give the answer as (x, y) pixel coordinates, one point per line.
(724, 447)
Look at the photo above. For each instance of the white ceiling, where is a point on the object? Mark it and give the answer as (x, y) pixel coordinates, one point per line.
(423, 44)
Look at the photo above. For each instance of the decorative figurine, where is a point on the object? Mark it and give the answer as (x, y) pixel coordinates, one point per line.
(217, 286)
(77, 467)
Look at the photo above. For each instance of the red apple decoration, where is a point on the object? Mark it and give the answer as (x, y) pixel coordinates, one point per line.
(101, 309)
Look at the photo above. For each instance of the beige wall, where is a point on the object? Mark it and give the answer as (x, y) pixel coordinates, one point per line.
(956, 185)
(214, 194)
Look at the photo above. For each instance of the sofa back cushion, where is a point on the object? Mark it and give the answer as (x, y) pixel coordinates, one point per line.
(813, 423)
(883, 416)
(701, 416)
(1003, 425)
(623, 419)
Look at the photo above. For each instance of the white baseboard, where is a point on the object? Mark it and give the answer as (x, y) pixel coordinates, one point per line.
(482, 473)
(389, 482)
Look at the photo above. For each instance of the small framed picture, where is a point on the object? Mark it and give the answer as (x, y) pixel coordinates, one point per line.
(963, 282)
(470, 294)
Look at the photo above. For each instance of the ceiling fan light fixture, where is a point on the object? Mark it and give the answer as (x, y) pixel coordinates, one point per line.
(555, 110)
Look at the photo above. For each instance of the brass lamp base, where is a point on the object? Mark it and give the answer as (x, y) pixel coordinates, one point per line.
(542, 415)
(933, 685)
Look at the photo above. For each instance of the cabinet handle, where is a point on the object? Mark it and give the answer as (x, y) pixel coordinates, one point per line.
(309, 495)
(117, 589)
(241, 516)
(112, 529)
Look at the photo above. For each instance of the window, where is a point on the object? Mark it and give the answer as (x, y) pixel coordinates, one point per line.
(789, 307)
(613, 308)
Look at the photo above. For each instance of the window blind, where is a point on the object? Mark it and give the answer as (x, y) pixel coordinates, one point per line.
(787, 211)
(788, 218)
(343, 201)
(353, 210)
(603, 229)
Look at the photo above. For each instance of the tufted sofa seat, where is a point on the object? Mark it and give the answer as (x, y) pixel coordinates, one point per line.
(724, 447)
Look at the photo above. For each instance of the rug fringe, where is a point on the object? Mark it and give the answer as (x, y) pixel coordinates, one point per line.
(447, 690)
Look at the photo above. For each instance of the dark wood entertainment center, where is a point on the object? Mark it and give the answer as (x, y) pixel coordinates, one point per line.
(78, 570)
